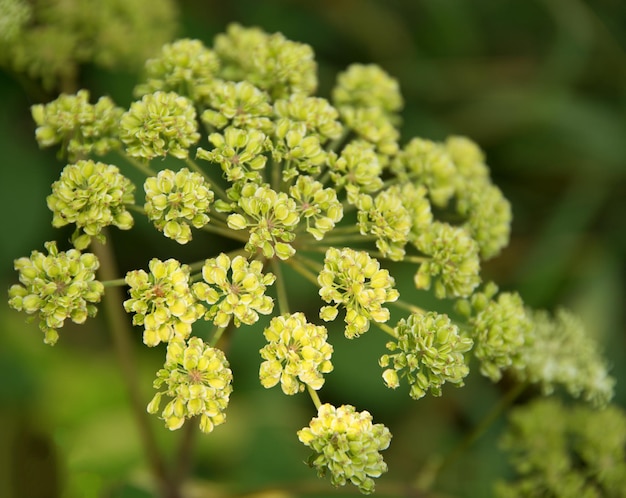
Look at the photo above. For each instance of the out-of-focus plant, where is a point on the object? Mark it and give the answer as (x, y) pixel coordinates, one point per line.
(290, 179)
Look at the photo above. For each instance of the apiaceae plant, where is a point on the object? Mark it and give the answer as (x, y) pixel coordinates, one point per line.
(322, 186)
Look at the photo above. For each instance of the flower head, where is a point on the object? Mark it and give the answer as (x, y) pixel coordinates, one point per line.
(242, 296)
(57, 286)
(347, 446)
(428, 352)
(367, 86)
(198, 379)
(317, 205)
(92, 195)
(161, 123)
(81, 127)
(296, 355)
(355, 280)
(176, 200)
(162, 301)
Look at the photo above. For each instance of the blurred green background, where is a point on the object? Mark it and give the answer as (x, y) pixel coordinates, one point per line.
(539, 84)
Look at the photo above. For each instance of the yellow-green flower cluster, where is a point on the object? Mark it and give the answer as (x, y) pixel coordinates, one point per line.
(241, 297)
(355, 280)
(564, 451)
(185, 66)
(367, 86)
(500, 328)
(239, 152)
(271, 62)
(162, 301)
(198, 379)
(559, 352)
(239, 104)
(298, 151)
(80, 127)
(429, 351)
(453, 261)
(92, 195)
(387, 219)
(357, 169)
(270, 218)
(296, 355)
(317, 205)
(346, 445)
(320, 118)
(175, 200)
(160, 124)
(57, 286)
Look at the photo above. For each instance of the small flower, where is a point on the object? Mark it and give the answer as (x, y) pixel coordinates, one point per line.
(297, 354)
(453, 259)
(373, 126)
(161, 123)
(242, 297)
(367, 86)
(319, 117)
(239, 152)
(197, 378)
(271, 62)
(355, 280)
(358, 169)
(468, 159)
(317, 205)
(270, 217)
(298, 151)
(92, 195)
(347, 446)
(559, 352)
(429, 354)
(386, 217)
(162, 301)
(57, 286)
(176, 200)
(185, 66)
(81, 127)
(240, 104)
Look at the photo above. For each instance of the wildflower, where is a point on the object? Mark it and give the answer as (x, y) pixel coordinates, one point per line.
(374, 126)
(468, 159)
(241, 297)
(317, 205)
(161, 123)
(162, 301)
(453, 259)
(355, 280)
(92, 195)
(347, 446)
(239, 152)
(57, 286)
(298, 151)
(176, 200)
(198, 379)
(428, 352)
(270, 217)
(358, 169)
(82, 128)
(297, 354)
(319, 117)
(185, 66)
(367, 86)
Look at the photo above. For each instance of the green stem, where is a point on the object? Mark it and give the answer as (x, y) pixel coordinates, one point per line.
(281, 288)
(409, 307)
(297, 266)
(118, 282)
(386, 328)
(135, 163)
(218, 190)
(314, 396)
(121, 334)
(225, 232)
(429, 474)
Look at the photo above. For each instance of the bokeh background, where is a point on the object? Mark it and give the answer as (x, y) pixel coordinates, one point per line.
(539, 84)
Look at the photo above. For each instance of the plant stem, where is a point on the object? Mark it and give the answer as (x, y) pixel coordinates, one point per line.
(429, 474)
(281, 288)
(314, 396)
(121, 333)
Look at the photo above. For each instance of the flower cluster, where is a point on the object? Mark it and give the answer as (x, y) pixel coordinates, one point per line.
(92, 195)
(355, 280)
(241, 297)
(297, 354)
(82, 128)
(346, 445)
(430, 352)
(558, 450)
(176, 200)
(198, 379)
(317, 205)
(161, 123)
(57, 286)
(162, 301)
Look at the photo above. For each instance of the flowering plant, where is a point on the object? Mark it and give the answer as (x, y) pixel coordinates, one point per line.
(323, 187)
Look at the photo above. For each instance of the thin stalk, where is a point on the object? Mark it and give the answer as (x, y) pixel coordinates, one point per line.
(427, 478)
(281, 288)
(121, 333)
(407, 306)
(386, 328)
(135, 163)
(218, 190)
(297, 266)
(225, 232)
(314, 396)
